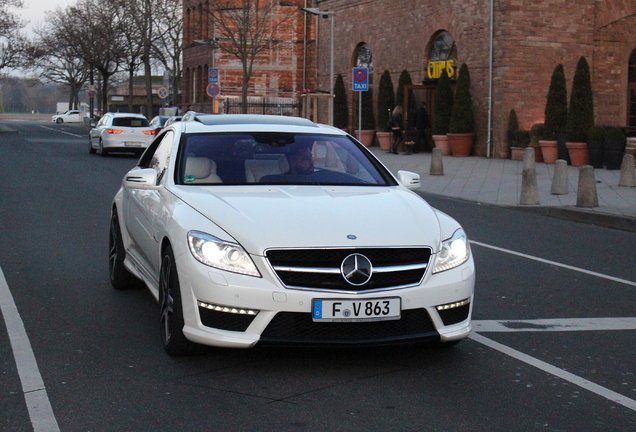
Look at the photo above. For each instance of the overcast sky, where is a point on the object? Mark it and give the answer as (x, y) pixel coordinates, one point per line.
(34, 11)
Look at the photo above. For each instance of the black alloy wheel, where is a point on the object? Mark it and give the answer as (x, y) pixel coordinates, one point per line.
(120, 277)
(59, 120)
(171, 318)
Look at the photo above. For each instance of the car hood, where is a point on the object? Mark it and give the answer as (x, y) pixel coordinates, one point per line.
(309, 216)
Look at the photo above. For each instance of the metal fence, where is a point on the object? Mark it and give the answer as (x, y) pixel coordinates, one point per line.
(275, 106)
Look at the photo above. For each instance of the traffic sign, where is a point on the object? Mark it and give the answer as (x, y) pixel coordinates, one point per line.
(213, 90)
(360, 79)
(162, 92)
(213, 75)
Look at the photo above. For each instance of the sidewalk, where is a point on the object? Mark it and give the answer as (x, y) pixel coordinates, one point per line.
(498, 182)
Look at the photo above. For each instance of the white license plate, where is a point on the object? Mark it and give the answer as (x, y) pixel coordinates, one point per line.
(344, 310)
(132, 144)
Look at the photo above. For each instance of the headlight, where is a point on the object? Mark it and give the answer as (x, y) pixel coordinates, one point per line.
(220, 254)
(454, 252)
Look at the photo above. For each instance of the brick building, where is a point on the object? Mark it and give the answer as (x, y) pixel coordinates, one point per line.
(529, 39)
(283, 71)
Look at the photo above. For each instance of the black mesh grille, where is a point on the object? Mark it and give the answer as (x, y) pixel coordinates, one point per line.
(454, 315)
(332, 259)
(224, 320)
(299, 328)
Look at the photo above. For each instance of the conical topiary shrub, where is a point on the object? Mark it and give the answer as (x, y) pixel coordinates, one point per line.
(444, 98)
(513, 127)
(581, 109)
(462, 122)
(556, 107)
(409, 112)
(340, 106)
(386, 101)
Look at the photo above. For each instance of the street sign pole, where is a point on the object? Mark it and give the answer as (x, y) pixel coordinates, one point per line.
(360, 83)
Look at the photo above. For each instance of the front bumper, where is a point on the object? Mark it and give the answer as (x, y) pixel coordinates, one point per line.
(230, 310)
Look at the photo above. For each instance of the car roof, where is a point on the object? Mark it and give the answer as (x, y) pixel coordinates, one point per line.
(255, 122)
(120, 114)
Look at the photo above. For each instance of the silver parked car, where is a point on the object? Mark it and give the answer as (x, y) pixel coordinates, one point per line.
(121, 132)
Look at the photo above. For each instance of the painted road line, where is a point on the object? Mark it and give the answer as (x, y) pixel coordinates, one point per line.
(554, 325)
(553, 370)
(37, 400)
(64, 132)
(545, 261)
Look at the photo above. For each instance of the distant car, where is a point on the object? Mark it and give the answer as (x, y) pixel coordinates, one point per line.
(191, 115)
(158, 122)
(70, 116)
(171, 120)
(121, 132)
(253, 229)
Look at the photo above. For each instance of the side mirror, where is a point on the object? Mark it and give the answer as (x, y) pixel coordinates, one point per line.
(141, 178)
(409, 179)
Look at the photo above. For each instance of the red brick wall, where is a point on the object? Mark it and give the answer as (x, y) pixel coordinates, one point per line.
(531, 38)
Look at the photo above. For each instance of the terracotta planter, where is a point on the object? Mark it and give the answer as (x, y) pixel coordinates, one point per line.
(385, 139)
(366, 137)
(461, 144)
(549, 151)
(578, 153)
(538, 156)
(441, 142)
(517, 153)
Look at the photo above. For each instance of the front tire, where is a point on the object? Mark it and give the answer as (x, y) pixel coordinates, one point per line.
(59, 120)
(120, 277)
(171, 318)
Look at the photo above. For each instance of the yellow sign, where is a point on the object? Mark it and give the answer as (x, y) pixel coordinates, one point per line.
(435, 68)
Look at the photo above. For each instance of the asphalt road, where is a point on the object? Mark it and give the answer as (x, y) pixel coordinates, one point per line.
(553, 348)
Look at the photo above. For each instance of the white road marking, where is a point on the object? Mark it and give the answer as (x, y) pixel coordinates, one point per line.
(37, 400)
(64, 132)
(541, 365)
(545, 261)
(554, 325)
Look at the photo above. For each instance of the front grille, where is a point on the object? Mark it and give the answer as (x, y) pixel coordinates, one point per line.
(320, 268)
(224, 320)
(454, 315)
(299, 328)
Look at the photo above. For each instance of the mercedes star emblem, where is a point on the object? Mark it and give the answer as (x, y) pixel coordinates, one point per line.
(356, 269)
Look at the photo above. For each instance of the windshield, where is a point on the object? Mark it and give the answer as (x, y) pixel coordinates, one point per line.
(272, 158)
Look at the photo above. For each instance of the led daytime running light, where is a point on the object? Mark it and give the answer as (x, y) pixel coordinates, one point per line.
(228, 309)
(453, 305)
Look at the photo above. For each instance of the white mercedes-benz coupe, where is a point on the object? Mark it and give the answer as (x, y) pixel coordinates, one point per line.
(254, 229)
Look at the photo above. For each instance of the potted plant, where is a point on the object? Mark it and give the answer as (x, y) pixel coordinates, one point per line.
(340, 106)
(556, 115)
(444, 98)
(520, 140)
(614, 147)
(596, 145)
(537, 133)
(461, 129)
(386, 102)
(580, 114)
(367, 134)
(513, 126)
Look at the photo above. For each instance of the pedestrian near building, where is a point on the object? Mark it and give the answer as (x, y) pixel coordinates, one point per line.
(397, 126)
(423, 126)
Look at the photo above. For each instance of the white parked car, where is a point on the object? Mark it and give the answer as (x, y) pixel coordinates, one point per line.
(121, 132)
(70, 116)
(275, 230)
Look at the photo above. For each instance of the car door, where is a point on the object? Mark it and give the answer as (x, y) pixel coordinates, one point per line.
(143, 208)
(95, 133)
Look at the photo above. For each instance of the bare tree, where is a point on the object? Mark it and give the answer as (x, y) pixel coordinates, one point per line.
(168, 46)
(93, 30)
(246, 28)
(11, 42)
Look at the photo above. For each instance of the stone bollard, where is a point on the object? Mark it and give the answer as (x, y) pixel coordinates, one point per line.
(586, 195)
(529, 189)
(437, 166)
(627, 172)
(560, 179)
(528, 159)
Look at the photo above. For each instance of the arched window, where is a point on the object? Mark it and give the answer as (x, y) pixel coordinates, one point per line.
(443, 55)
(365, 58)
(631, 112)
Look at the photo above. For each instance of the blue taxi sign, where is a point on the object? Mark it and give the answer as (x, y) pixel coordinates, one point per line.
(360, 79)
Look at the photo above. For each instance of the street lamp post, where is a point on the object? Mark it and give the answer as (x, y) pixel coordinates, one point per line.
(332, 15)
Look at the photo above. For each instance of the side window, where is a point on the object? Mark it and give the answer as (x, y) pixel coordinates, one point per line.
(161, 157)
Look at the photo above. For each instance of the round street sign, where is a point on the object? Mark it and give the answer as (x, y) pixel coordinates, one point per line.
(213, 90)
(162, 92)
